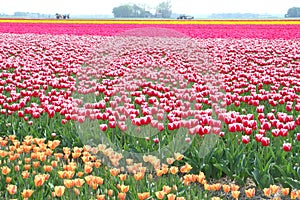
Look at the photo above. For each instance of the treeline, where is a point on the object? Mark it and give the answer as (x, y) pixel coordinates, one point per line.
(163, 10)
(239, 16)
(293, 12)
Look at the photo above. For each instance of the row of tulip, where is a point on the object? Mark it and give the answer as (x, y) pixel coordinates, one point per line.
(287, 31)
(33, 168)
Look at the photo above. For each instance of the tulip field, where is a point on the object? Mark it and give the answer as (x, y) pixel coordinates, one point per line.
(124, 109)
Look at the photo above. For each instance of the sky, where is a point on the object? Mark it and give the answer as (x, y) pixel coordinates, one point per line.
(104, 7)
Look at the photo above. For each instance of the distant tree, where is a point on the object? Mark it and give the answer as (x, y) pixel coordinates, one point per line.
(130, 11)
(164, 9)
(122, 11)
(293, 12)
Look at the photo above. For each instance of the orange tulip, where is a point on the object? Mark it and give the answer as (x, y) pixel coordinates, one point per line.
(123, 188)
(12, 189)
(46, 176)
(59, 190)
(293, 194)
(61, 174)
(88, 168)
(114, 171)
(78, 154)
(42, 156)
(207, 187)
(110, 192)
(27, 166)
(48, 152)
(25, 174)
(165, 169)
(97, 164)
(5, 170)
(68, 183)
(167, 189)
(170, 161)
(78, 182)
(100, 197)
(298, 194)
(144, 195)
(8, 179)
(173, 170)
(178, 156)
(235, 194)
(129, 161)
(47, 168)
(171, 196)
(39, 180)
(54, 163)
(285, 191)
(94, 185)
(66, 150)
(98, 180)
(27, 148)
(250, 192)
(216, 186)
(274, 189)
(121, 196)
(160, 194)
(80, 174)
(122, 177)
(186, 168)
(138, 176)
(53, 144)
(26, 193)
(36, 164)
(3, 153)
(234, 187)
(76, 191)
(89, 179)
(69, 174)
(101, 147)
(226, 188)
(58, 156)
(267, 192)
(85, 159)
(17, 168)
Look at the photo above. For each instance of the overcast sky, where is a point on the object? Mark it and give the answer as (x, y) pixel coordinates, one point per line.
(104, 7)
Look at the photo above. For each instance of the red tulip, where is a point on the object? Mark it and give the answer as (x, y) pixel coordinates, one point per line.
(222, 134)
(156, 140)
(287, 147)
(258, 137)
(245, 139)
(231, 128)
(103, 127)
(21, 113)
(112, 124)
(265, 141)
(298, 137)
(160, 126)
(248, 131)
